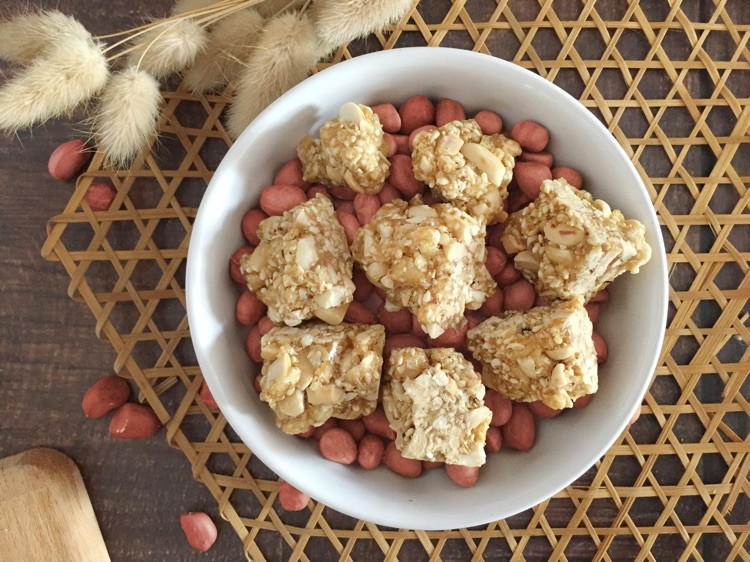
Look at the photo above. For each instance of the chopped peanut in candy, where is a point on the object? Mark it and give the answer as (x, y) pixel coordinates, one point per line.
(434, 402)
(571, 245)
(351, 151)
(316, 372)
(544, 354)
(467, 168)
(429, 259)
(302, 266)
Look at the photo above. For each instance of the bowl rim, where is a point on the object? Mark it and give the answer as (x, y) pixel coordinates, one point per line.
(433, 55)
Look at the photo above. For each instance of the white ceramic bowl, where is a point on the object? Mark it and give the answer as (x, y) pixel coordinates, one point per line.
(632, 323)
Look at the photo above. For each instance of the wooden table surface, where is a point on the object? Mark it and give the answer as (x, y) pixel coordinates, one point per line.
(49, 354)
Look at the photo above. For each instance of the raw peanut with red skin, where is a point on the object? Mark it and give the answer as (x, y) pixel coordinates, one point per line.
(519, 295)
(318, 189)
(501, 407)
(601, 296)
(451, 338)
(568, 174)
(359, 314)
(391, 143)
(541, 410)
(291, 174)
(365, 207)
(402, 176)
(539, 157)
(249, 309)
(67, 160)
(234, 264)
(593, 310)
(275, 200)
(520, 431)
(496, 260)
(377, 424)
(473, 319)
(494, 440)
(540, 301)
(429, 465)
(401, 340)
(415, 132)
(417, 328)
(264, 325)
(206, 397)
(416, 112)
(199, 530)
(508, 275)
(355, 428)
(99, 196)
(380, 293)
(252, 344)
(494, 303)
(256, 384)
(398, 322)
(344, 206)
(343, 192)
(464, 476)
(410, 468)
(388, 193)
(516, 201)
(583, 401)
(330, 423)
(602, 351)
(133, 421)
(430, 198)
(491, 123)
(530, 176)
(448, 110)
(249, 225)
(291, 499)
(402, 144)
(350, 224)
(494, 235)
(106, 394)
(338, 445)
(362, 286)
(370, 453)
(530, 135)
(389, 117)
(306, 434)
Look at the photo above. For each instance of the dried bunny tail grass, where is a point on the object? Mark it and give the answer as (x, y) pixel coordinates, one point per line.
(287, 49)
(341, 21)
(25, 37)
(166, 49)
(68, 74)
(271, 8)
(182, 6)
(229, 44)
(126, 116)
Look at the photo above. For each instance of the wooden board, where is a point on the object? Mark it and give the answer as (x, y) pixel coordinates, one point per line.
(45, 511)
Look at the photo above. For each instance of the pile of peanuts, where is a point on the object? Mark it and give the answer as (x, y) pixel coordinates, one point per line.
(369, 441)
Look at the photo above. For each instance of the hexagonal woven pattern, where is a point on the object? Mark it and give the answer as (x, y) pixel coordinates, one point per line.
(671, 81)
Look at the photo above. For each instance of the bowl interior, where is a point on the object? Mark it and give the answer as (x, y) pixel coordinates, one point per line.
(632, 323)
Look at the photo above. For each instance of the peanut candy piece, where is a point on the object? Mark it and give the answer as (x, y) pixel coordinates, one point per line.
(319, 371)
(351, 151)
(435, 402)
(571, 245)
(544, 354)
(429, 259)
(302, 266)
(467, 168)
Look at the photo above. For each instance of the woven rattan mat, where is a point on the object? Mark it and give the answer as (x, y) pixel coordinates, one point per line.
(671, 80)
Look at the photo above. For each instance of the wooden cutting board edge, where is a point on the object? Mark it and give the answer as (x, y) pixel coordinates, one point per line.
(45, 511)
